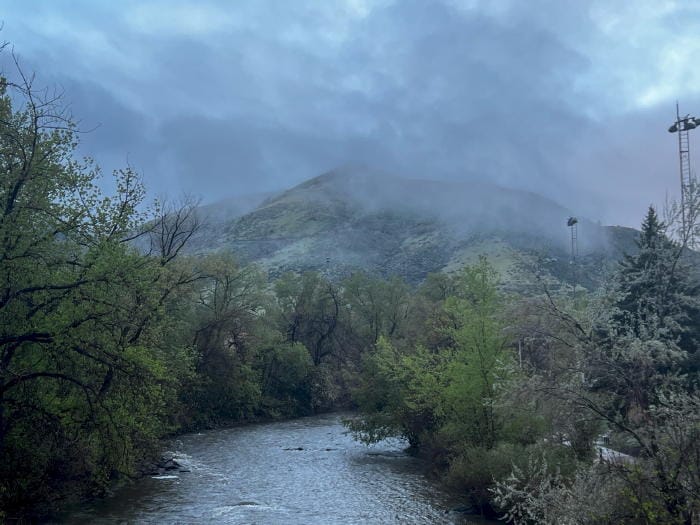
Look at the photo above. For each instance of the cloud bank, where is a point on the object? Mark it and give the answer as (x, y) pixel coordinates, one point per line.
(567, 99)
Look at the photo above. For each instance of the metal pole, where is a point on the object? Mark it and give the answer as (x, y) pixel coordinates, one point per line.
(680, 166)
(572, 224)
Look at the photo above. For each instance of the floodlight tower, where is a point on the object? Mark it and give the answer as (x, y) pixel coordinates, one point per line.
(572, 222)
(682, 126)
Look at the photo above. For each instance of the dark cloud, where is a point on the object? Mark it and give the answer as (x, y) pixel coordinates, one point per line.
(221, 99)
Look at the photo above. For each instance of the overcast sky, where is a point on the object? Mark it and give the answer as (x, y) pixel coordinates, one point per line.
(570, 99)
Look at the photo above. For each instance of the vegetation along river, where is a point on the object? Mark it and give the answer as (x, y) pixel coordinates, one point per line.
(303, 471)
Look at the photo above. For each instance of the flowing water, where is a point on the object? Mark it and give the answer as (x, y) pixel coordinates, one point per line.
(305, 471)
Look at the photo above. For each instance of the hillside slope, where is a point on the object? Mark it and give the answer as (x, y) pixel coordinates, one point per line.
(341, 221)
(217, 217)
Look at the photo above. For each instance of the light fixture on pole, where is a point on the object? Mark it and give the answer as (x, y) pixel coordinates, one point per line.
(571, 222)
(682, 126)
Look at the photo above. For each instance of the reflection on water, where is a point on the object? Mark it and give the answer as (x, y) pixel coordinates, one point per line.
(304, 471)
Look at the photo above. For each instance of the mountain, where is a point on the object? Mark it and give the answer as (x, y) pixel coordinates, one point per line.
(217, 217)
(342, 221)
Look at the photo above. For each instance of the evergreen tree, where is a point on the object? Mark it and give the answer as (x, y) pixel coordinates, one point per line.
(658, 294)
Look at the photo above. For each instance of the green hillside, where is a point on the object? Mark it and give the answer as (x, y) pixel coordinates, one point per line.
(340, 222)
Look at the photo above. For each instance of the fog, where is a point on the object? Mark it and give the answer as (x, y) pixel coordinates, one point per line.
(359, 207)
(569, 100)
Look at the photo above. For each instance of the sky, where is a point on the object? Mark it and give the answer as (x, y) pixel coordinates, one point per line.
(567, 98)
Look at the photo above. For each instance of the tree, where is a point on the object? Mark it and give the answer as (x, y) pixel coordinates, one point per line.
(481, 356)
(398, 395)
(376, 307)
(450, 393)
(80, 318)
(309, 308)
(223, 319)
(656, 309)
(656, 287)
(622, 374)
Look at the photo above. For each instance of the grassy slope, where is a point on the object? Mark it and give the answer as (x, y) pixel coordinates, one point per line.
(337, 223)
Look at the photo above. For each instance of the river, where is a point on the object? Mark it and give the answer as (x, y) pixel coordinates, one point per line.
(304, 471)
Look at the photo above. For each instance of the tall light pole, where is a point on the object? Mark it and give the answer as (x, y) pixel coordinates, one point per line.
(571, 222)
(682, 126)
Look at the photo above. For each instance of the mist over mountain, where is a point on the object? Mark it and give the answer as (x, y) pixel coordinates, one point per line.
(216, 218)
(351, 219)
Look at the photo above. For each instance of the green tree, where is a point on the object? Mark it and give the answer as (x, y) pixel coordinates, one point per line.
(658, 290)
(309, 308)
(482, 357)
(619, 370)
(418, 393)
(376, 307)
(224, 327)
(80, 332)
(287, 372)
(398, 394)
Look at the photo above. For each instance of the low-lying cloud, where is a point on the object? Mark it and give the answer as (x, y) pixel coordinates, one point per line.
(567, 99)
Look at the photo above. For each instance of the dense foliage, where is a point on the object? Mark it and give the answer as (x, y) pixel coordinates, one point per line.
(553, 409)
(110, 338)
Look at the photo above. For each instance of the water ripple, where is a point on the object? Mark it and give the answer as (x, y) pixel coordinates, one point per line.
(304, 471)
